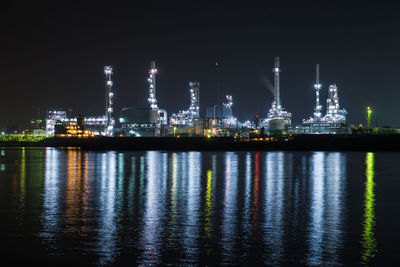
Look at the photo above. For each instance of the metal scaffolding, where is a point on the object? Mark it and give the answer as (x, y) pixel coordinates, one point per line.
(108, 71)
(152, 85)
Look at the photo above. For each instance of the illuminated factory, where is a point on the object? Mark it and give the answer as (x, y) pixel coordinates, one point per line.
(278, 119)
(95, 125)
(151, 121)
(335, 119)
(187, 117)
(218, 121)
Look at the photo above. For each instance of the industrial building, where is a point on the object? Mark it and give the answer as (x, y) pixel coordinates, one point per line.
(139, 122)
(151, 121)
(278, 119)
(73, 129)
(186, 118)
(98, 125)
(219, 119)
(334, 122)
(60, 118)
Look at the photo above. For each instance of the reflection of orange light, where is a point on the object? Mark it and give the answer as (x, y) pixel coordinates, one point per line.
(77, 190)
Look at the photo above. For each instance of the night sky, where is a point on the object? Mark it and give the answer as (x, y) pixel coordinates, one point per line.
(53, 54)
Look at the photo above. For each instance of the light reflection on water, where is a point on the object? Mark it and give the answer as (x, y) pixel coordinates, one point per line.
(153, 208)
(368, 237)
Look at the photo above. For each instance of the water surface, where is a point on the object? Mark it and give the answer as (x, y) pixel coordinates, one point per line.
(199, 208)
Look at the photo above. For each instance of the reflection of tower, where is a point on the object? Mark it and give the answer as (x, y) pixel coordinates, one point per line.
(229, 229)
(317, 87)
(109, 100)
(194, 109)
(317, 209)
(368, 242)
(152, 85)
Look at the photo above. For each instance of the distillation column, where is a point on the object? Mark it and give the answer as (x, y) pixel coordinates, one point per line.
(109, 101)
(152, 86)
(194, 108)
(317, 87)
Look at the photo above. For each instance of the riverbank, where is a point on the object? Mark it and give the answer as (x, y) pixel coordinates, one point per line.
(294, 143)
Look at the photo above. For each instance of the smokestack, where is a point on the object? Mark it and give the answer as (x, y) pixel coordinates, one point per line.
(317, 87)
(276, 71)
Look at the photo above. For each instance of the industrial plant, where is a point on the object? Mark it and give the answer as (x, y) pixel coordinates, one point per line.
(334, 121)
(218, 120)
(278, 119)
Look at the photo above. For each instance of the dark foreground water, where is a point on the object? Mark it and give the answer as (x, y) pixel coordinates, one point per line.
(201, 208)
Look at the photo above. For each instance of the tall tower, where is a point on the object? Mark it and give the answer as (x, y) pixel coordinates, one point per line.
(333, 113)
(278, 118)
(109, 101)
(229, 102)
(276, 71)
(152, 86)
(218, 85)
(194, 108)
(317, 87)
(332, 103)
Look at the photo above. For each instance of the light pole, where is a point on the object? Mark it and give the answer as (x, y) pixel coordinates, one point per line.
(369, 112)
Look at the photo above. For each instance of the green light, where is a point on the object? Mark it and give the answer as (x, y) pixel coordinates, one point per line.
(368, 242)
(369, 112)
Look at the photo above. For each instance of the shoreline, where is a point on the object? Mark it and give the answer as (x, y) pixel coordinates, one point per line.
(366, 142)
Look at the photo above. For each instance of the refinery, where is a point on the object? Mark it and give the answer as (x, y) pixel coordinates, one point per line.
(219, 120)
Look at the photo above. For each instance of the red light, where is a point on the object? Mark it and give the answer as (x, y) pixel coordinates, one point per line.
(256, 116)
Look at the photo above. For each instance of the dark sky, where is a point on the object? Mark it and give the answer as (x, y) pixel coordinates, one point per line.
(53, 54)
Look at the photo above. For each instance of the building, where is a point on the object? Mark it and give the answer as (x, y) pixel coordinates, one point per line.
(96, 124)
(72, 129)
(140, 121)
(278, 119)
